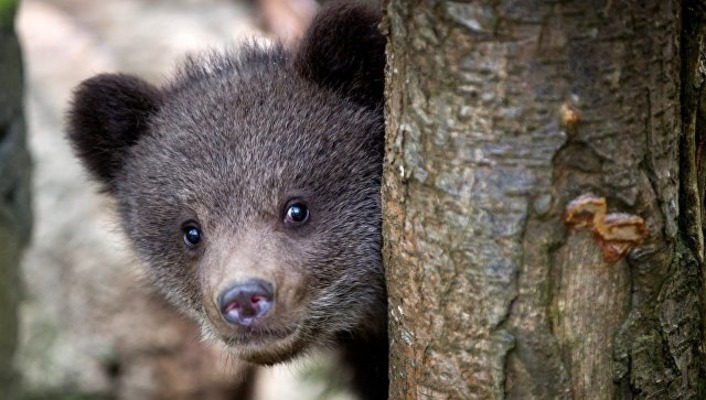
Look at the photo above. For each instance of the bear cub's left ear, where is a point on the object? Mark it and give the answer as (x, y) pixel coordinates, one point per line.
(344, 50)
(108, 114)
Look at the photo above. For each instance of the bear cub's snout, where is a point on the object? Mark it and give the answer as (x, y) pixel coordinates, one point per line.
(243, 303)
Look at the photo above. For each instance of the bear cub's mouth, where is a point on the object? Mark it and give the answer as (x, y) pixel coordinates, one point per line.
(256, 335)
(265, 346)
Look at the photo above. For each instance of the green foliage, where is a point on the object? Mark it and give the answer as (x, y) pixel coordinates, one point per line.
(7, 13)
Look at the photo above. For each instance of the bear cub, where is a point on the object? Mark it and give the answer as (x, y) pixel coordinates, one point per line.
(249, 185)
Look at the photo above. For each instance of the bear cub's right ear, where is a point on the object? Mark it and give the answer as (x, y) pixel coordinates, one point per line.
(108, 114)
(344, 50)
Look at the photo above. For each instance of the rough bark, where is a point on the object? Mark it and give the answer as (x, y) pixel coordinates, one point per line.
(15, 220)
(502, 117)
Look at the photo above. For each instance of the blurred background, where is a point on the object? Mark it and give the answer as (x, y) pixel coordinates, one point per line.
(88, 324)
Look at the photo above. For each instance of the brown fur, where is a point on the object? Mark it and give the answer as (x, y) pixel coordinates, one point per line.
(227, 144)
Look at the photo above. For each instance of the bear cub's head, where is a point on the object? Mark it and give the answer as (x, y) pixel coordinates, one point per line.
(249, 185)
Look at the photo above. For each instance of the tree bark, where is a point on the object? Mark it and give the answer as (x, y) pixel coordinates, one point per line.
(15, 218)
(542, 199)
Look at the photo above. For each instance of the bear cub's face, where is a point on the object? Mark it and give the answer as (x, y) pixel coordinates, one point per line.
(250, 184)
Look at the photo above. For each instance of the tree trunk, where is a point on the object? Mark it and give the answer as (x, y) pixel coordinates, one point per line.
(15, 220)
(542, 199)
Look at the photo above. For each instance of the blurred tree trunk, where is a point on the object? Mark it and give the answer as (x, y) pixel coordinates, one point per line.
(15, 217)
(510, 126)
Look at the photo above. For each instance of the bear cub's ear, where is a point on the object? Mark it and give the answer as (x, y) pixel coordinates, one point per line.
(344, 50)
(108, 114)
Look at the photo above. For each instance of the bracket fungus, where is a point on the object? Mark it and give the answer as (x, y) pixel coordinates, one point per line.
(615, 233)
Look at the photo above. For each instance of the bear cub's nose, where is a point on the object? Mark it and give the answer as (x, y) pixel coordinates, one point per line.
(244, 302)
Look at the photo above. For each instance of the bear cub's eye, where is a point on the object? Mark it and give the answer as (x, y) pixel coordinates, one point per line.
(297, 214)
(192, 233)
